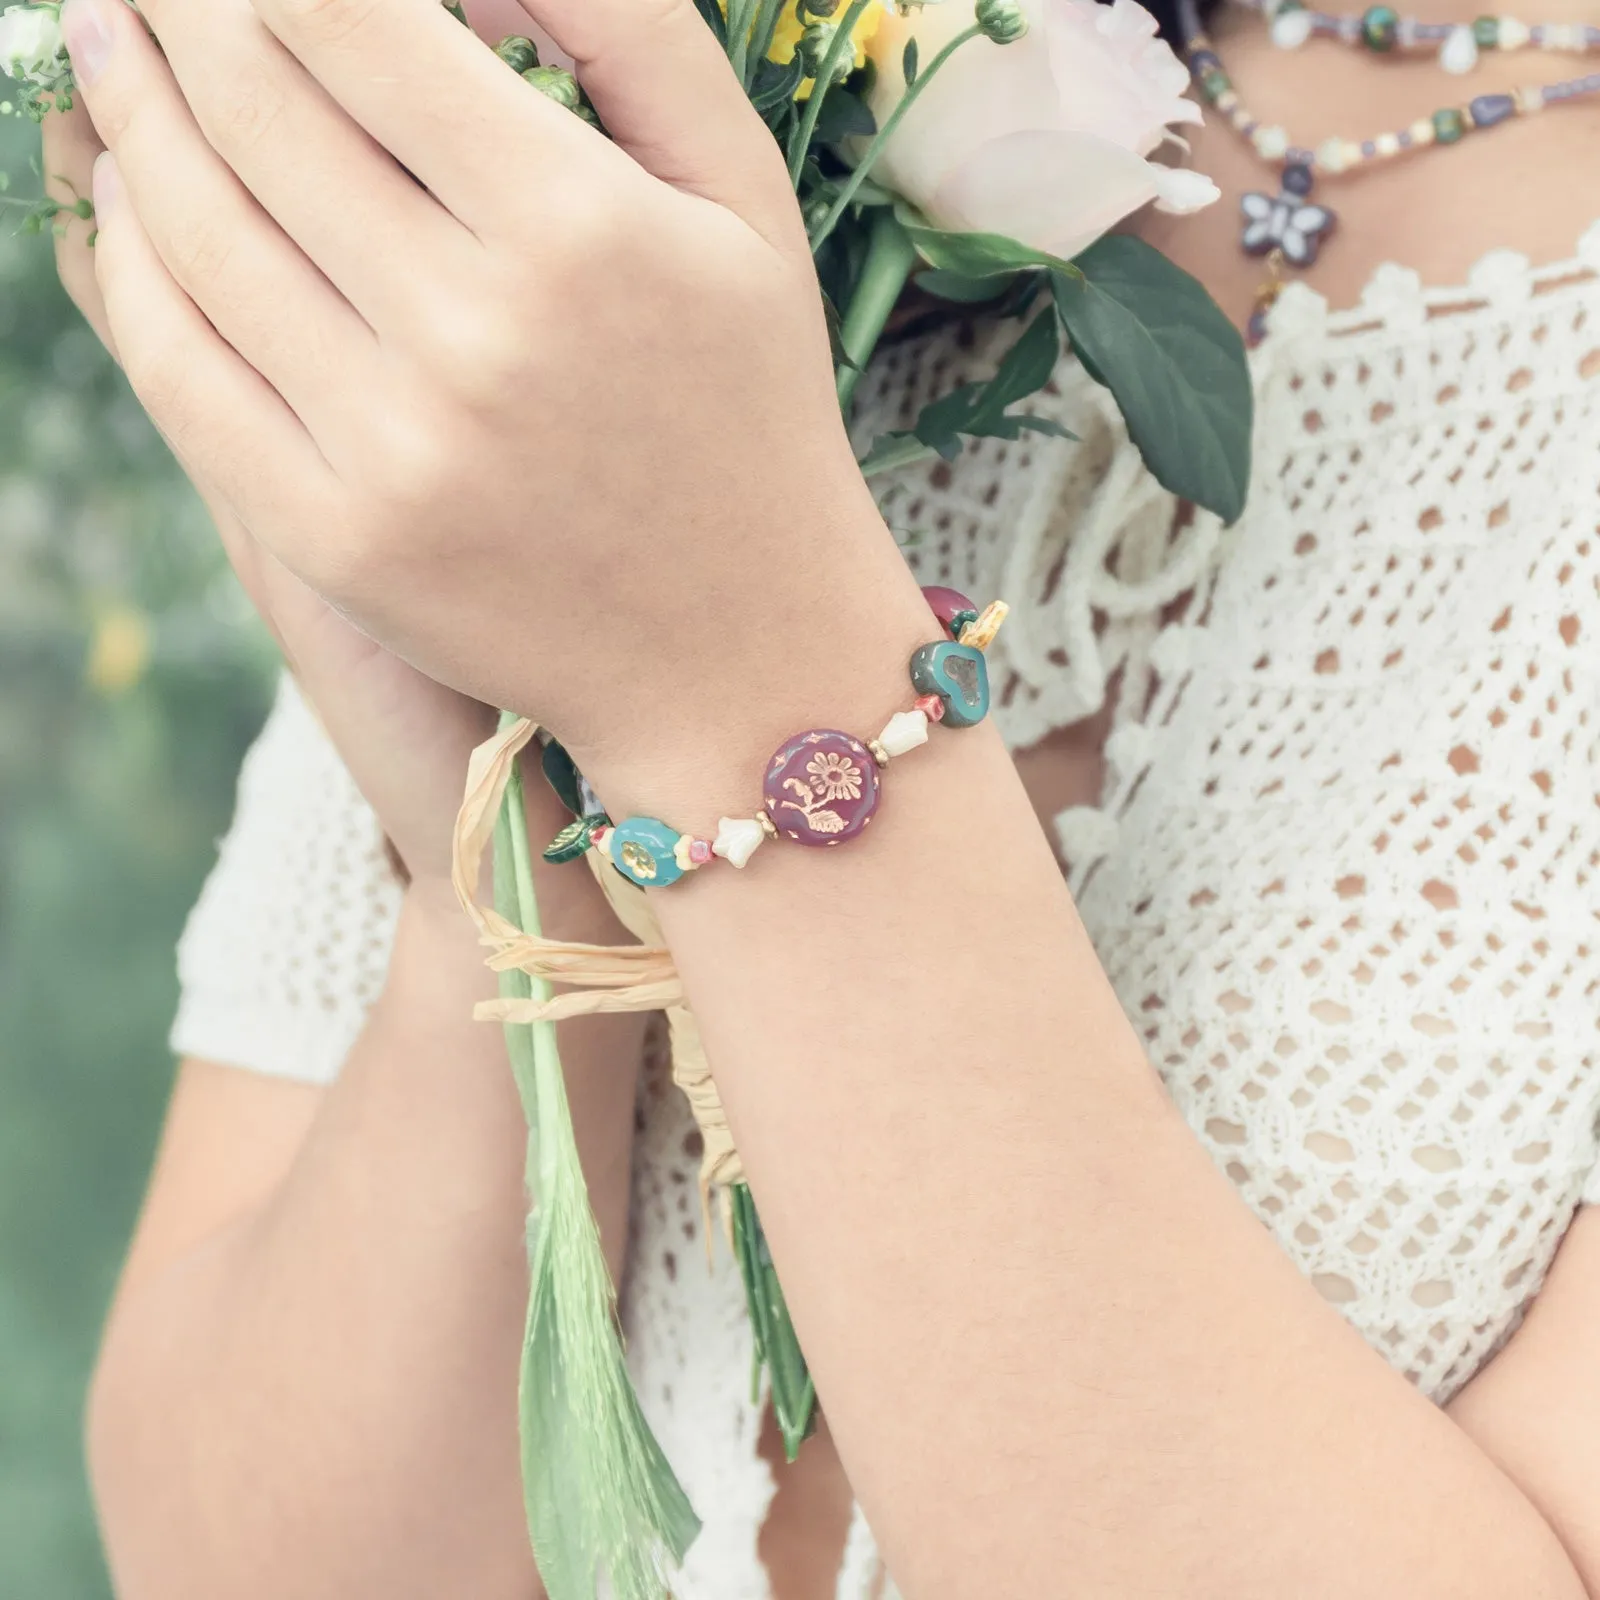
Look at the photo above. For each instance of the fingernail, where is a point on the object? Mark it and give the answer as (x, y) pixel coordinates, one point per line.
(106, 187)
(88, 36)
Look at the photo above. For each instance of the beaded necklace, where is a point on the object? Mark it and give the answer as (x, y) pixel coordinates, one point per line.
(1382, 30)
(1289, 228)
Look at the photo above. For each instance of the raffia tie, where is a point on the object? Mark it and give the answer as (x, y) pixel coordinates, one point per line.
(597, 977)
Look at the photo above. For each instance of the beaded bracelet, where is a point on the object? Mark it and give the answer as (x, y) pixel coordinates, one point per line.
(821, 786)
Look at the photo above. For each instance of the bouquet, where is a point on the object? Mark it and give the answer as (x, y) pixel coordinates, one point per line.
(979, 151)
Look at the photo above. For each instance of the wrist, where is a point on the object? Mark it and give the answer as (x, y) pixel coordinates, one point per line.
(830, 651)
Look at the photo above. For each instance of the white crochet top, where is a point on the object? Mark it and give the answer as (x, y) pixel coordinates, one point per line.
(1346, 872)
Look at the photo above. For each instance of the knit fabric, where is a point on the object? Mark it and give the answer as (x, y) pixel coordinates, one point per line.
(1345, 874)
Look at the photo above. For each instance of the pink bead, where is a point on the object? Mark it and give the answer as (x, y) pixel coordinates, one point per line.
(931, 706)
(699, 851)
(945, 603)
(821, 787)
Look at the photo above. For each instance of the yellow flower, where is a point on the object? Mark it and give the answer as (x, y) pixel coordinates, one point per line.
(787, 34)
(119, 650)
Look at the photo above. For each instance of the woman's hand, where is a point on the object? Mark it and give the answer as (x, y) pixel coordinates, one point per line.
(557, 422)
(404, 737)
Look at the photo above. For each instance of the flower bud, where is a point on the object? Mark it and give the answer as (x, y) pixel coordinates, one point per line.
(814, 45)
(557, 84)
(1001, 20)
(518, 53)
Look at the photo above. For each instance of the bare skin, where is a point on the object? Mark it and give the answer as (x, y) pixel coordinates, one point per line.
(323, 1170)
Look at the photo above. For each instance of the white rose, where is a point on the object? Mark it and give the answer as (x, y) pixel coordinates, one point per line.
(1042, 140)
(30, 41)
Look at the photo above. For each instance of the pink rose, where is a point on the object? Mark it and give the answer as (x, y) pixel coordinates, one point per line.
(1043, 140)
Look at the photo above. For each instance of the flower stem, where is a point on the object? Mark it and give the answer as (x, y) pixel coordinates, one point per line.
(740, 13)
(890, 258)
(846, 194)
(762, 29)
(821, 86)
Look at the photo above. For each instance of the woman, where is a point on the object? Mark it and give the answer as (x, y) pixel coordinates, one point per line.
(1341, 888)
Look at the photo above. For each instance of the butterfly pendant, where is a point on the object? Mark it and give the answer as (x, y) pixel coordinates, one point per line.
(1287, 222)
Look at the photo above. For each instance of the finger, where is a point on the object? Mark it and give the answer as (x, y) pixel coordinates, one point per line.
(665, 90)
(429, 92)
(331, 187)
(248, 277)
(233, 432)
(69, 149)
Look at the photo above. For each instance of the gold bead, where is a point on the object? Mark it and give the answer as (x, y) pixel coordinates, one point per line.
(878, 753)
(768, 826)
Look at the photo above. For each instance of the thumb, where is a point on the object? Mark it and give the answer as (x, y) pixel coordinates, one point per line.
(669, 97)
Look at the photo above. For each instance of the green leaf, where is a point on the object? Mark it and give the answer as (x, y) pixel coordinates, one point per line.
(971, 255)
(1176, 366)
(963, 291)
(844, 116)
(908, 63)
(982, 410)
(777, 1348)
(774, 85)
(562, 776)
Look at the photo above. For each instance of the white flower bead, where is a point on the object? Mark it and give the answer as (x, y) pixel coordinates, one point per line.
(1460, 53)
(905, 730)
(1514, 33)
(737, 839)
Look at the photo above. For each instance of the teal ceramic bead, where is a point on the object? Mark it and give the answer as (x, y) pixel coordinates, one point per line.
(641, 849)
(959, 675)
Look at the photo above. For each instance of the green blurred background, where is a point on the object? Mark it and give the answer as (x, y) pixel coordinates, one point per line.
(131, 679)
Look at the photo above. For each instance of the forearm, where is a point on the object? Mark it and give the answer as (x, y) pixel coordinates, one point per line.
(1056, 1350)
(319, 1400)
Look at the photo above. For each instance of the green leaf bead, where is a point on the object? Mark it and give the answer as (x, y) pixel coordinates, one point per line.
(1486, 31)
(574, 839)
(1448, 125)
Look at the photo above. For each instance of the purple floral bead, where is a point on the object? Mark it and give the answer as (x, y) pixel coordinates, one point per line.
(821, 787)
